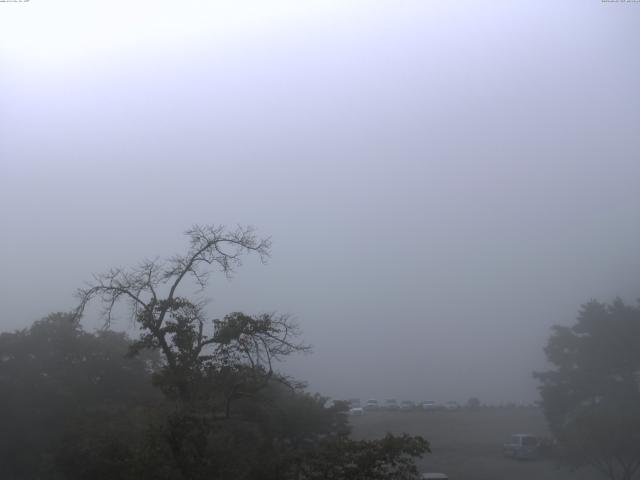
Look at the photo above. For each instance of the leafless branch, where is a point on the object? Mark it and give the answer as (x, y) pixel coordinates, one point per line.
(208, 245)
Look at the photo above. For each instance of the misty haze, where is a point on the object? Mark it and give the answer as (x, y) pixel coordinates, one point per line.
(325, 239)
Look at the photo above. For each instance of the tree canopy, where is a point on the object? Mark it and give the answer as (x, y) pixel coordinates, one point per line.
(191, 398)
(231, 413)
(591, 397)
(57, 381)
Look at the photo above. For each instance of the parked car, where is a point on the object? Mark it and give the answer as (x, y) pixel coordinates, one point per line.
(452, 406)
(429, 405)
(391, 404)
(357, 411)
(522, 446)
(372, 404)
(407, 405)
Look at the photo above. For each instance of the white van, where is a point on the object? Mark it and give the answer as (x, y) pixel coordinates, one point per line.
(522, 446)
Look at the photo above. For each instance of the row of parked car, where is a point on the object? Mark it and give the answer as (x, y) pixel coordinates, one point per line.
(356, 408)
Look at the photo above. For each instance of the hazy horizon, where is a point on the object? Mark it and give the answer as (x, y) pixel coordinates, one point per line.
(442, 183)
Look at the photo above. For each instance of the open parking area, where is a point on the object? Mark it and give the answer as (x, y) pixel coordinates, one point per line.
(467, 445)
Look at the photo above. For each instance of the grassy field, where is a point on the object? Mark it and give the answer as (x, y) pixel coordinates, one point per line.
(467, 445)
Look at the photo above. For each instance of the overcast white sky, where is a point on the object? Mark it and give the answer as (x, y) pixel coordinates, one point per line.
(443, 181)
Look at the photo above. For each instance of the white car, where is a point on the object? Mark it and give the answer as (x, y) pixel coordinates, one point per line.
(407, 405)
(391, 404)
(522, 446)
(429, 405)
(372, 404)
(357, 411)
(452, 406)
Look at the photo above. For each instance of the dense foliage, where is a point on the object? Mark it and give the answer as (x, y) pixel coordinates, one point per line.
(78, 405)
(592, 396)
(68, 394)
(191, 398)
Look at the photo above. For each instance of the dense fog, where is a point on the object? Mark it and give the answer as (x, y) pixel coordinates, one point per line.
(442, 182)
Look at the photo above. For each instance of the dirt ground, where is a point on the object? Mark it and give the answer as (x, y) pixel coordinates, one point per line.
(467, 445)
